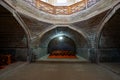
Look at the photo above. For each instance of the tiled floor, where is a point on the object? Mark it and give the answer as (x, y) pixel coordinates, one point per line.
(60, 71)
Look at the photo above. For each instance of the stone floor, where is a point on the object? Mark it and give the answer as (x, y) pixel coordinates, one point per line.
(114, 67)
(59, 71)
(11, 67)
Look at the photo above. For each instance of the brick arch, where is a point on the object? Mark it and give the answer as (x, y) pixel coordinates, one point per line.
(108, 37)
(15, 37)
(79, 34)
(105, 20)
(68, 26)
(81, 42)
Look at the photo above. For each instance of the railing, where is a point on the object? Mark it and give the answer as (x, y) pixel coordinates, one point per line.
(62, 10)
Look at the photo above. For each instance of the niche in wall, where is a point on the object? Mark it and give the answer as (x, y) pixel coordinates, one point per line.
(62, 47)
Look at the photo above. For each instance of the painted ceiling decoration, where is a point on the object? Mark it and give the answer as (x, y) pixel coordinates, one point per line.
(62, 7)
(62, 15)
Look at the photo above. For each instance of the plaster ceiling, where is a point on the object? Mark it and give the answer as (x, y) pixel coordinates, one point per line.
(38, 28)
(24, 8)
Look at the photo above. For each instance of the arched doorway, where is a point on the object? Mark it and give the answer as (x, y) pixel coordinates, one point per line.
(109, 40)
(62, 47)
(77, 39)
(13, 39)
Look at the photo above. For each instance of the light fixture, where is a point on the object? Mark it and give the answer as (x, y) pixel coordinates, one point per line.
(60, 38)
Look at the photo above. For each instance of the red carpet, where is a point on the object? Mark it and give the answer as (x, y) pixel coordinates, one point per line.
(62, 54)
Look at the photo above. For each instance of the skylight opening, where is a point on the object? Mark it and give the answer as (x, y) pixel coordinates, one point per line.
(61, 1)
(44, 0)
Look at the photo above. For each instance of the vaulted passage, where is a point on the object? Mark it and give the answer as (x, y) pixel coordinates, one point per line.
(13, 41)
(109, 43)
(61, 42)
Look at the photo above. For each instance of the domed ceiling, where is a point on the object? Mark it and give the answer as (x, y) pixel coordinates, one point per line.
(62, 7)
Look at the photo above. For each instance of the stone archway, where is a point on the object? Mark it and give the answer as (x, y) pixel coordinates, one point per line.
(13, 37)
(109, 43)
(105, 20)
(80, 41)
